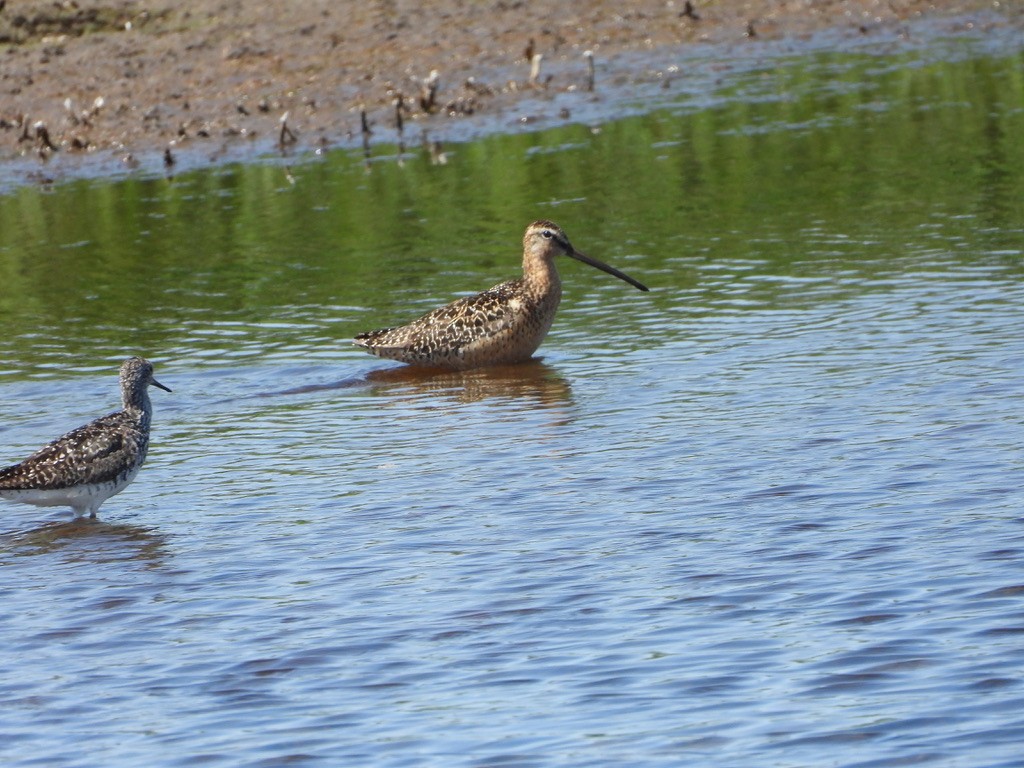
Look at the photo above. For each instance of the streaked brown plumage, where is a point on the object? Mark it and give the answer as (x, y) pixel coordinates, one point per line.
(500, 326)
(88, 465)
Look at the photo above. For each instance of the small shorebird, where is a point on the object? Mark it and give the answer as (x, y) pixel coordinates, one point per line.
(90, 464)
(500, 326)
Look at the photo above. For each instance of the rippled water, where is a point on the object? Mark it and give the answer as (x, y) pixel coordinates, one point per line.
(768, 514)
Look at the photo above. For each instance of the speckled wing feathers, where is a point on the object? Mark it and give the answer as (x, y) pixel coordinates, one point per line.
(98, 452)
(445, 333)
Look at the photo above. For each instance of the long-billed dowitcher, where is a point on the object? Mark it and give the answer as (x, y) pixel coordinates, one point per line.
(88, 465)
(500, 326)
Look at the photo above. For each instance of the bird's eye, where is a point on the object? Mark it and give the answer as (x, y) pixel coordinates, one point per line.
(547, 234)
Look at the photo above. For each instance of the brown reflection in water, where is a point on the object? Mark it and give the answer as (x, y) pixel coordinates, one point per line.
(87, 540)
(532, 380)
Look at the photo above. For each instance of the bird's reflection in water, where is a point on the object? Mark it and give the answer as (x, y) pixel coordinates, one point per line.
(88, 540)
(532, 380)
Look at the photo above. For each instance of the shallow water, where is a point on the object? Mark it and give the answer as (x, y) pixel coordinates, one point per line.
(767, 514)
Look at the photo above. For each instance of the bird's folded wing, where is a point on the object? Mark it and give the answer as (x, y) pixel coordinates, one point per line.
(95, 453)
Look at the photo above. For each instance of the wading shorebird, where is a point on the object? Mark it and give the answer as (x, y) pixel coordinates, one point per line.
(500, 326)
(90, 464)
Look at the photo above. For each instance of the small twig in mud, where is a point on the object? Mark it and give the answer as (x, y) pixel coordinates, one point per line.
(535, 68)
(400, 125)
(399, 107)
(428, 92)
(69, 108)
(365, 130)
(688, 12)
(88, 114)
(286, 136)
(43, 136)
(530, 50)
(25, 135)
(589, 55)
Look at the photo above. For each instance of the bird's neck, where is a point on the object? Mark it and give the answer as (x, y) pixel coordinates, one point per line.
(540, 275)
(137, 403)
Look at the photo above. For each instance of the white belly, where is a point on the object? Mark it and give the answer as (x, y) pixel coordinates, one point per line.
(81, 498)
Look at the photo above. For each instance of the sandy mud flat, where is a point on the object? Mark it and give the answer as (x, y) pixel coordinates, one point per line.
(98, 88)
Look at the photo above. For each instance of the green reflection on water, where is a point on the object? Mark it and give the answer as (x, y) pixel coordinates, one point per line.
(834, 164)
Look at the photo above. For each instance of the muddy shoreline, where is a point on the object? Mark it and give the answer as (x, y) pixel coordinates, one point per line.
(102, 88)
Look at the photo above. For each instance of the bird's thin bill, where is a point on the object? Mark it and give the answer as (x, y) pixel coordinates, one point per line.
(605, 268)
(156, 383)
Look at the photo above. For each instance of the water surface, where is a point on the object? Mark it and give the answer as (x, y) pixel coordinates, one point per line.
(767, 514)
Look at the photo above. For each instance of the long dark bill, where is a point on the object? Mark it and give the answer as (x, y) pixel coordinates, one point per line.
(156, 383)
(605, 268)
